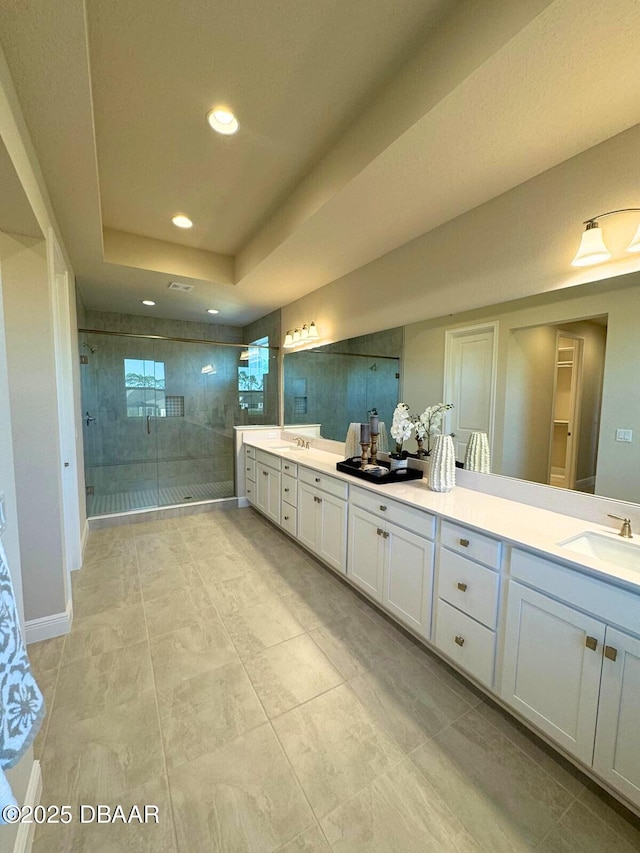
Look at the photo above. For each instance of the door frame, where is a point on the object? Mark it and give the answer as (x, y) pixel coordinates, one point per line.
(576, 404)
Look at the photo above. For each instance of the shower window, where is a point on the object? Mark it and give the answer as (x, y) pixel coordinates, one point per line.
(144, 383)
(251, 376)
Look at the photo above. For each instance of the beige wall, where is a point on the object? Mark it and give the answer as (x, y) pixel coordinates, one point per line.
(34, 423)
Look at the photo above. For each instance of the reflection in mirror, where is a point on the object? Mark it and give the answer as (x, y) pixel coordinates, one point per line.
(606, 427)
(338, 384)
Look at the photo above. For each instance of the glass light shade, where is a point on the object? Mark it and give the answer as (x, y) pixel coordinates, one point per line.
(304, 333)
(634, 245)
(288, 340)
(313, 332)
(592, 248)
(296, 336)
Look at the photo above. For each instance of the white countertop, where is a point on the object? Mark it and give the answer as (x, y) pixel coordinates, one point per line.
(517, 523)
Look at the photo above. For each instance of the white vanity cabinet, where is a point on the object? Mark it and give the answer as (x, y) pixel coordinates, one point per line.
(322, 516)
(250, 472)
(569, 671)
(289, 494)
(468, 585)
(391, 563)
(268, 484)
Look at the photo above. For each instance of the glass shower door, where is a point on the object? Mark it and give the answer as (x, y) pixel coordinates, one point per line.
(123, 394)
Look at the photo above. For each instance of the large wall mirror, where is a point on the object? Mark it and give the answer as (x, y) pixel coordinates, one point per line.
(564, 383)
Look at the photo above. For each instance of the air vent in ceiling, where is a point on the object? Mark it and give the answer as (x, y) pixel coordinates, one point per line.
(178, 285)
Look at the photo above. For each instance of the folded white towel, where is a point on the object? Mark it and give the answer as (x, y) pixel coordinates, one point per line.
(6, 795)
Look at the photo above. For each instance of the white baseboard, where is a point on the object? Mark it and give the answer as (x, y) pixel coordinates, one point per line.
(47, 627)
(26, 831)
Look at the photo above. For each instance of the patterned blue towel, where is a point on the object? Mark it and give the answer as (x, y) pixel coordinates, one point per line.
(22, 706)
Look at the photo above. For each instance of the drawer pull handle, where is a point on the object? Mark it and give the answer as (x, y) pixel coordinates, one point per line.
(591, 643)
(383, 508)
(286, 518)
(265, 473)
(385, 535)
(286, 490)
(248, 469)
(464, 542)
(286, 467)
(460, 641)
(462, 587)
(319, 500)
(317, 479)
(610, 652)
(379, 531)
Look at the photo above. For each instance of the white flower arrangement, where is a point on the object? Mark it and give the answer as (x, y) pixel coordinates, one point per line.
(428, 424)
(425, 425)
(402, 425)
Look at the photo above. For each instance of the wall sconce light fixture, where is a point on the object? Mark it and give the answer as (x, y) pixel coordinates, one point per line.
(301, 336)
(592, 247)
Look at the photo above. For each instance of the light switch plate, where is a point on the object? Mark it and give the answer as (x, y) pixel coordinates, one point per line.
(624, 435)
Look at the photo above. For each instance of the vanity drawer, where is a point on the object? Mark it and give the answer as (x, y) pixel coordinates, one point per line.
(465, 641)
(414, 519)
(469, 586)
(250, 468)
(251, 491)
(289, 520)
(249, 451)
(337, 488)
(289, 490)
(479, 547)
(289, 468)
(269, 459)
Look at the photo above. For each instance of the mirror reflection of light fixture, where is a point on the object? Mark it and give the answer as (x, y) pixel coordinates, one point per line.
(592, 247)
(244, 355)
(294, 337)
(208, 368)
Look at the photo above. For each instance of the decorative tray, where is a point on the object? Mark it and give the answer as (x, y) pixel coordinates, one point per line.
(399, 475)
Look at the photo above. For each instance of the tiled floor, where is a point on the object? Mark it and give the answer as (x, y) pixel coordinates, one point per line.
(217, 671)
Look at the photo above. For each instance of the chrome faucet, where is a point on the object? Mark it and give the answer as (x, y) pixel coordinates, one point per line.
(301, 442)
(625, 531)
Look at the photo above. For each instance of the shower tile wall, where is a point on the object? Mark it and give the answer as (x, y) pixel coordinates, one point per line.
(339, 385)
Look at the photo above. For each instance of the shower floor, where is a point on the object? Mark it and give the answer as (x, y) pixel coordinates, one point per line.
(166, 495)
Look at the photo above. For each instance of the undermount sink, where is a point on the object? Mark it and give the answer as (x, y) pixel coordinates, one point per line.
(624, 555)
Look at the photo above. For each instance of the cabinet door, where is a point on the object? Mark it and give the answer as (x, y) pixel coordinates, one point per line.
(332, 532)
(617, 754)
(262, 488)
(408, 578)
(273, 495)
(366, 552)
(308, 516)
(551, 672)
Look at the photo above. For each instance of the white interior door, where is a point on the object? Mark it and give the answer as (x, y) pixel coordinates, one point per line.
(469, 382)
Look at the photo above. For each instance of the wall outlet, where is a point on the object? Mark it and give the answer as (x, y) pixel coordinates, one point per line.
(274, 434)
(624, 435)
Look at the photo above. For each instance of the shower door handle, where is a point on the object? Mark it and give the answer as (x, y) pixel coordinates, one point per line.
(148, 424)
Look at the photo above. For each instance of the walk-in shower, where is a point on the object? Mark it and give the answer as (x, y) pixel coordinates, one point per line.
(158, 416)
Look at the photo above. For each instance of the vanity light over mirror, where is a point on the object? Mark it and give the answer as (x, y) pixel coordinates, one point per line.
(556, 383)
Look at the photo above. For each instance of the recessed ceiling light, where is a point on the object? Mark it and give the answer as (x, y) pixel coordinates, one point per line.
(223, 121)
(212, 311)
(147, 302)
(182, 221)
